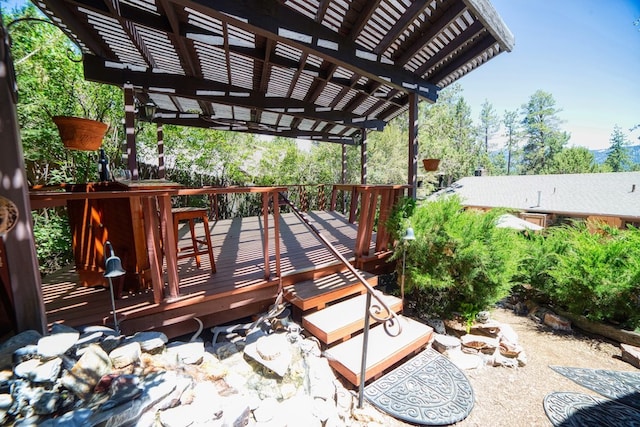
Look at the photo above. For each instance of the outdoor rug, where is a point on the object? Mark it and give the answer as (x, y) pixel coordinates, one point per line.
(566, 409)
(426, 390)
(621, 386)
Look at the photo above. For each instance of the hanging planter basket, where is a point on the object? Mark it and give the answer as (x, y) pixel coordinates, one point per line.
(80, 134)
(431, 165)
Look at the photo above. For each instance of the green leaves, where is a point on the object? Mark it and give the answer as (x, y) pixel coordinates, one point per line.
(461, 255)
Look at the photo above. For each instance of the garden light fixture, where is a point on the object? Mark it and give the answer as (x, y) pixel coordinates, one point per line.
(113, 268)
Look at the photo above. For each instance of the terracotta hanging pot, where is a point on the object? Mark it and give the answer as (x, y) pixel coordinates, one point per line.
(79, 133)
(431, 165)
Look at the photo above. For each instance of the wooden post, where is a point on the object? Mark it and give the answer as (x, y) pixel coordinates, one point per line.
(161, 171)
(363, 158)
(413, 145)
(21, 257)
(130, 131)
(343, 179)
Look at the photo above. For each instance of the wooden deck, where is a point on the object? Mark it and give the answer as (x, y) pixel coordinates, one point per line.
(236, 290)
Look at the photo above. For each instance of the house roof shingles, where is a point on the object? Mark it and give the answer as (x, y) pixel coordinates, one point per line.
(605, 194)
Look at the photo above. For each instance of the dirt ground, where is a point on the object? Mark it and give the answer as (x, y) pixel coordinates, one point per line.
(513, 396)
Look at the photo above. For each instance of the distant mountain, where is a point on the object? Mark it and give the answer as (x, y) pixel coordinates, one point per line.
(601, 155)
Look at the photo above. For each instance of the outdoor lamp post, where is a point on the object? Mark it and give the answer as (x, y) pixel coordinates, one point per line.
(113, 268)
(149, 111)
(408, 235)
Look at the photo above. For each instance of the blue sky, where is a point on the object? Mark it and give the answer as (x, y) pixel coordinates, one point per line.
(586, 53)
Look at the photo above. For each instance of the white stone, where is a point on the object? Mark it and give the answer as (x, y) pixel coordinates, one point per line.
(508, 333)
(125, 355)
(463, 360)
(48, 371)
(556, 322)
(150, 341)
(55, 345)
(267, 410)
(443, 343)
(26, 368)
(479, 342)
(189, 353)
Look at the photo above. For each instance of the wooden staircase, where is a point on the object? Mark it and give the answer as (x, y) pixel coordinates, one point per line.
(333, 309)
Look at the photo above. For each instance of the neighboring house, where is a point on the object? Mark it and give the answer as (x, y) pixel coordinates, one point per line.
(551, 199)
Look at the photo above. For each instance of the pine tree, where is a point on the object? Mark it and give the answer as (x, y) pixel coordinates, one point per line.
(618, 156)
(541, 126)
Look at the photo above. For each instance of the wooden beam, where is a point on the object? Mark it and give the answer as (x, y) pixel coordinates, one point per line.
(474, 51)
(160, 137)
(110, 72)
(271, 19)
(21, 257)
(445, 20)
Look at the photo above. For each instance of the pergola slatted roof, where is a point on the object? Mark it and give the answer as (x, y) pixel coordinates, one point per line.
(315, 69)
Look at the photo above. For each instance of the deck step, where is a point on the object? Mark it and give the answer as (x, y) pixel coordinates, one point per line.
(340, 321)
(383, 350)
(317, 293)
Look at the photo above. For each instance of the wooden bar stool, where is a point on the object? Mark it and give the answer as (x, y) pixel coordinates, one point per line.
(191, 214)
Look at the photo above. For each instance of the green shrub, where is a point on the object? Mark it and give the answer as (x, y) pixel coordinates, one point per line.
(52, 237)
(597, 273)
(459, 262)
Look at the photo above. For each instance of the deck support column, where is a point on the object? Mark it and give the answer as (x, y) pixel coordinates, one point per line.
(130, 131)
(21, 258)
(161, 170)
(363, 158)
(413, 145)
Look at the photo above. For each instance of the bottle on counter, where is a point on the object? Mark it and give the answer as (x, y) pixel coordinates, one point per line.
(103, 167)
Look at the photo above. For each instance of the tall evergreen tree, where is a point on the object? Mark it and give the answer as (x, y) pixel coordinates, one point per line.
(489, 124)
(511, 125)
(618, 158)
(541, 126)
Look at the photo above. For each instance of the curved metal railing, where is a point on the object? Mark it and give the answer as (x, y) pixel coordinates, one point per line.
(379, 310)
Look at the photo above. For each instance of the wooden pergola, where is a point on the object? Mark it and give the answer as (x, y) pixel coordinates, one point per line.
(323, 70)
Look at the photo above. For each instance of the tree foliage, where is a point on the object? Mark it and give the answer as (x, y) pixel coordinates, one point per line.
(618, 157)
(541, 126)
(573, 160)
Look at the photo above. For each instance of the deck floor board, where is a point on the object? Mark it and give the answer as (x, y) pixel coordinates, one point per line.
(237, 247)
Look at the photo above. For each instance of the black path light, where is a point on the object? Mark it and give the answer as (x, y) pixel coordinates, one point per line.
(408, 236)
(113, 268)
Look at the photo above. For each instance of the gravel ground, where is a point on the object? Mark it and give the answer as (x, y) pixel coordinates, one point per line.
(513, 396)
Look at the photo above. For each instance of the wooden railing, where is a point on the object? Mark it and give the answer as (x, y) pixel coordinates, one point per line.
(158, 223)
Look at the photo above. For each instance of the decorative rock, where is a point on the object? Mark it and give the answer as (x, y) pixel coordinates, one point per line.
(464, 361)
(189, 353)
(55, 345)
(507, 349)
(77, 418)
(25, 353)
(86, 373)
(631, 354)
(236, 412)
(483, 316)
(320, 378)
(267, 410)
(179, 416)
(61, 328)
(45, 402)
(479, 342)
(437, 325)
(125, 355)
(47, 372)
(123, 389)
(490, 328)
(298, 411)
(556, 322)
(25, 369)
(522, 359)
(111, 342)
(150, 342)
(507, 333)
(444, 343)
(15, 342)
(104, 330)
(367, 414)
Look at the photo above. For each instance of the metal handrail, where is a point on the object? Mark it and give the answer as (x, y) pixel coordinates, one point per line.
(390, 322)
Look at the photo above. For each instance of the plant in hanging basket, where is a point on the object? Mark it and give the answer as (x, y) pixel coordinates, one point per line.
(78, 133)
(431, 165)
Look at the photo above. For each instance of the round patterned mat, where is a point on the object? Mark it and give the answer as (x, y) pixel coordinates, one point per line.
(427, 390)
(566, 409)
